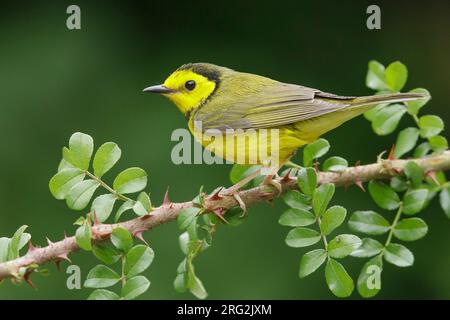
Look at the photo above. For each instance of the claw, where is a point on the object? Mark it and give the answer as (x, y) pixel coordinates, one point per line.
(241, 203)
(235, 188)
(268, 180)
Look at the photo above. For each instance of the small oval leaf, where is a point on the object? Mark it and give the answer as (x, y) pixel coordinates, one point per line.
(105, 158)
(130, 180)
(311, 261)
(101, 277)
(302, 237)
(384, 196)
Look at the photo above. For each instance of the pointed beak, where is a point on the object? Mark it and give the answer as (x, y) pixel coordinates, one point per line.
(160, 88)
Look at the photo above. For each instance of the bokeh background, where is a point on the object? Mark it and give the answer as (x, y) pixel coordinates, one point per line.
(54, 82)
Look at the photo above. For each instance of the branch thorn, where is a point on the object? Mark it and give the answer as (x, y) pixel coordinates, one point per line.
(138, 234)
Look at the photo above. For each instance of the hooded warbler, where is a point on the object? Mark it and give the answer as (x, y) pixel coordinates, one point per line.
(236, 104)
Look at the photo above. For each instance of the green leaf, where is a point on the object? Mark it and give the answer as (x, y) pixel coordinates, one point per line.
(430, 126)
(302, 237)
(368, 222)
(4, 247)
(186, 217)
(414, 173)
(183, 241)
(80, 221)
(80, 150)
(127, 205)
(239, 172)
(80, 195)
(322, 197)
(315, 150)
(343, 245)
(410, 229)
(105, 158)
(61, 183)
(335, 164)
(375, 78)
(143, 204)
(396, 75)
(406, 141)
(103, 294)
(103, 205)
(135, 287)
(307, 180)
(398, 255)
(311, 261)
(338, 280)
(24, 238)
(332, 218)
(368, 248)
(415, 106)
(414, 201)
(121, 238)
(197, 288)
(63, 164)
(137, 260)
(101, 277)
(297, 200)
(383, 195)
(370, 115)
(130, 180)
(83, 237)
(444, 200)
(369, 280)
(438, 143)
(105, 253)
(399, 184)
(14, 244)
(296, 218)
(180, 283)
(386, 120)
(422, 150)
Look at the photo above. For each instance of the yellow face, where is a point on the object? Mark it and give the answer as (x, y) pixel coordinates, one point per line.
(190, 89)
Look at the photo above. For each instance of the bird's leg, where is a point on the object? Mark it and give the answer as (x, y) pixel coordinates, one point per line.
(268, 180)
(234, 190)
(236, 187)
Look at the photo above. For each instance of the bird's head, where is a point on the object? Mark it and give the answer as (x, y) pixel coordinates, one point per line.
(190, 85)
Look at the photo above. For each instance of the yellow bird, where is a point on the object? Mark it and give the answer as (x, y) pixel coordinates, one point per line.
(221, 102)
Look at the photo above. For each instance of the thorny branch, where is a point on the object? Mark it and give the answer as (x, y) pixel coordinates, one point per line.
(168, 211)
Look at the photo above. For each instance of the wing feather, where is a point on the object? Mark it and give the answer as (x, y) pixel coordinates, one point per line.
(262, 103)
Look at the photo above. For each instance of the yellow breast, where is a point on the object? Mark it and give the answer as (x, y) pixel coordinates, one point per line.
(267, 147)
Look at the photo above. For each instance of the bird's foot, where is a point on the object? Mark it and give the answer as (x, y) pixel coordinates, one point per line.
(270, 181)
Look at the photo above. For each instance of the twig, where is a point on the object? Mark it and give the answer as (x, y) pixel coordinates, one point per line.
(168, 211)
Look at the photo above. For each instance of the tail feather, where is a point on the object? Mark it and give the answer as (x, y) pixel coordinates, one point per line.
(386, 98)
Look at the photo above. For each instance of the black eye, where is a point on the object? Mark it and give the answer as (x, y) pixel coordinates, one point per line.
(190, 85)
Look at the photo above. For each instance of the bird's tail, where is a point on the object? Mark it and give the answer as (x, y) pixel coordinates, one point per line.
(385, 98)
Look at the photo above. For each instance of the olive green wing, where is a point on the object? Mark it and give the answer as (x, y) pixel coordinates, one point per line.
(264, 103)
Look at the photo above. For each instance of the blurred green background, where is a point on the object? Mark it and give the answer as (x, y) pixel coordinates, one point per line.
(54, 82)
